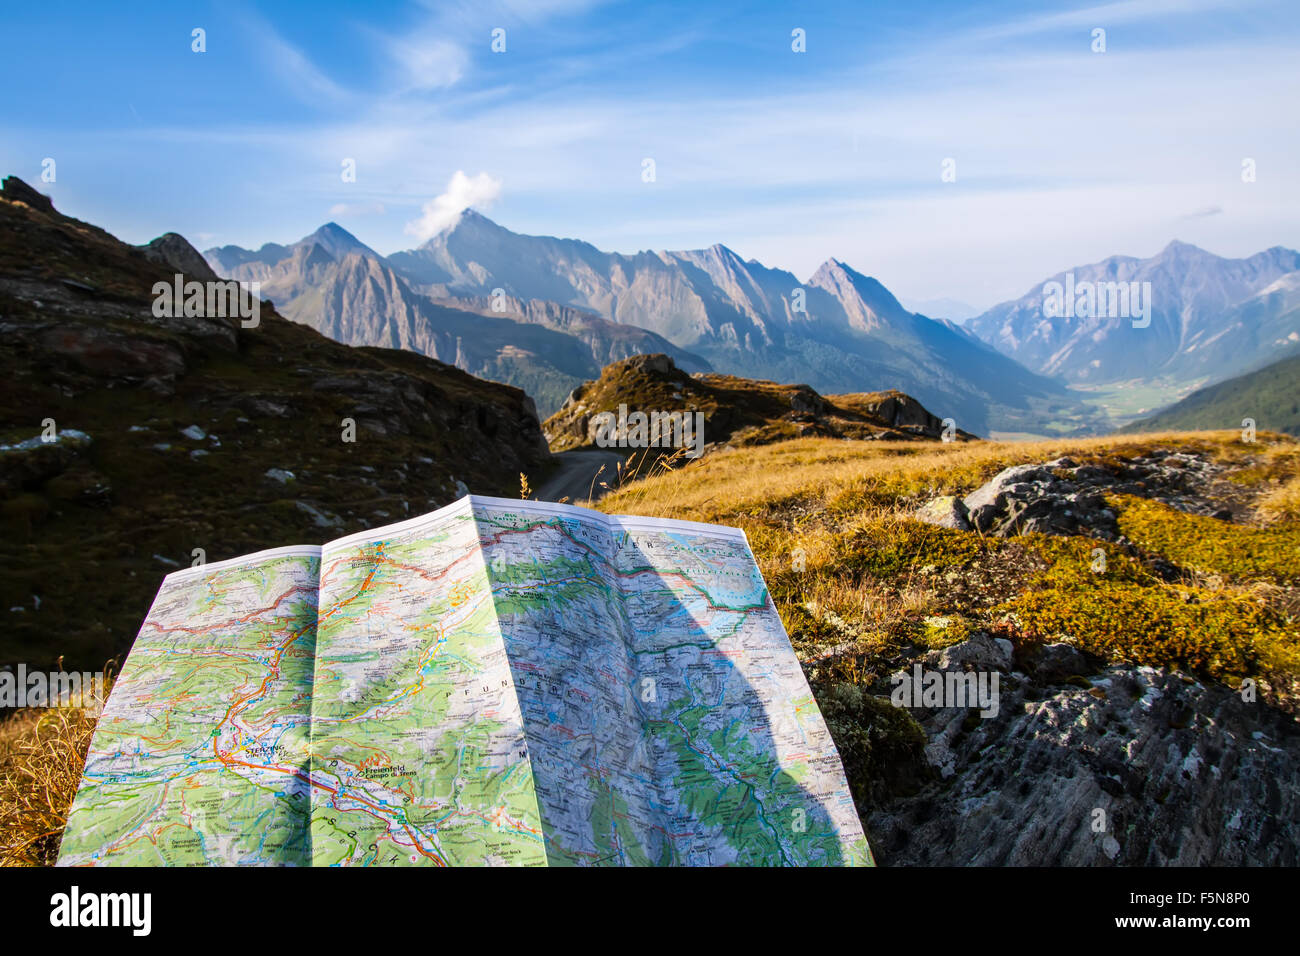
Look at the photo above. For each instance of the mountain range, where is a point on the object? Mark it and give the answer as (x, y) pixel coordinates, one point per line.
(545, 314)
(341, 287)
(530, 310)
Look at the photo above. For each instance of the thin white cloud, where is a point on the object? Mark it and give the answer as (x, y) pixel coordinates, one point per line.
(300, 75)
(1104, 15)
(352, 209)
(429, 63)
(435, 52)
(444, 210)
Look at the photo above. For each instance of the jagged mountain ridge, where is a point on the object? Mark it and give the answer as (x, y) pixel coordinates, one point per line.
(336, 284)
(1210, 317)
(848, 334)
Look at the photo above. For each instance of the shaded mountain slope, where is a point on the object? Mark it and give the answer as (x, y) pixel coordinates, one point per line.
(1269, 396)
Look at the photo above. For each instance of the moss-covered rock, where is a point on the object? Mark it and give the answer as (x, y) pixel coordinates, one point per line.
(882, 746)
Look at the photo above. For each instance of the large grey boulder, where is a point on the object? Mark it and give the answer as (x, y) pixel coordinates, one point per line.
(1035, 497)
(1145, 767)
(1064, 497)
(994, 490)
(174, 251)
(980, 652)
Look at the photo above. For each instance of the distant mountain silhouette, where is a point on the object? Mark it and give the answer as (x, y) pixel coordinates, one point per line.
(1210, 317)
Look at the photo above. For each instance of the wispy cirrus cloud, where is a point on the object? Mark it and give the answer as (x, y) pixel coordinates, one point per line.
(1105, 15)
(428, 63)
(301, 77)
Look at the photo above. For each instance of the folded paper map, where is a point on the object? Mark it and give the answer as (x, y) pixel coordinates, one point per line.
(498, 682)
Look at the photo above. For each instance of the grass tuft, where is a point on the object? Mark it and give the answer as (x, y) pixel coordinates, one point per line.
(42, 753)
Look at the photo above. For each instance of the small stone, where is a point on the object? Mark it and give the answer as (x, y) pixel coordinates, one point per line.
(1056, 662)
(322, 519)
(980, 651)
(946, 512)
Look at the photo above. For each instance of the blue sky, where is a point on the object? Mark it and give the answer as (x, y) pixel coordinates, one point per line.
(1062, 155)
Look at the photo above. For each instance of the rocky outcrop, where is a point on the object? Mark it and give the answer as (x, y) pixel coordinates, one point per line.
(1065, 496)
(653, 364)
(738, 411)
(174, 251)
(902, 411)
(15, 190)
(30, 463)
(1088, 762)
(1088, 766)
(948, 511)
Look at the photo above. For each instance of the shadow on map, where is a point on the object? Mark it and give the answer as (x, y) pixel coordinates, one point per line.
(715, 786)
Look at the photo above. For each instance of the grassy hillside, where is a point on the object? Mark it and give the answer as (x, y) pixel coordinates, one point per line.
(1270, 396)
(865, 590)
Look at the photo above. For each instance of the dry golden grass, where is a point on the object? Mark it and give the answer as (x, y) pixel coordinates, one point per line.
(859, 583)
(848, 476)
(41, 756)
(1282, 503)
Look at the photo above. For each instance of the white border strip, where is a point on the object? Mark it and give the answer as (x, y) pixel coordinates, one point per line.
(388, 530)
(257, 557)
(466, 504)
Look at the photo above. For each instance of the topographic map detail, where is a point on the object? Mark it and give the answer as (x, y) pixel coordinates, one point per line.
(499, 682)
(200, 755)
(418, 753)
